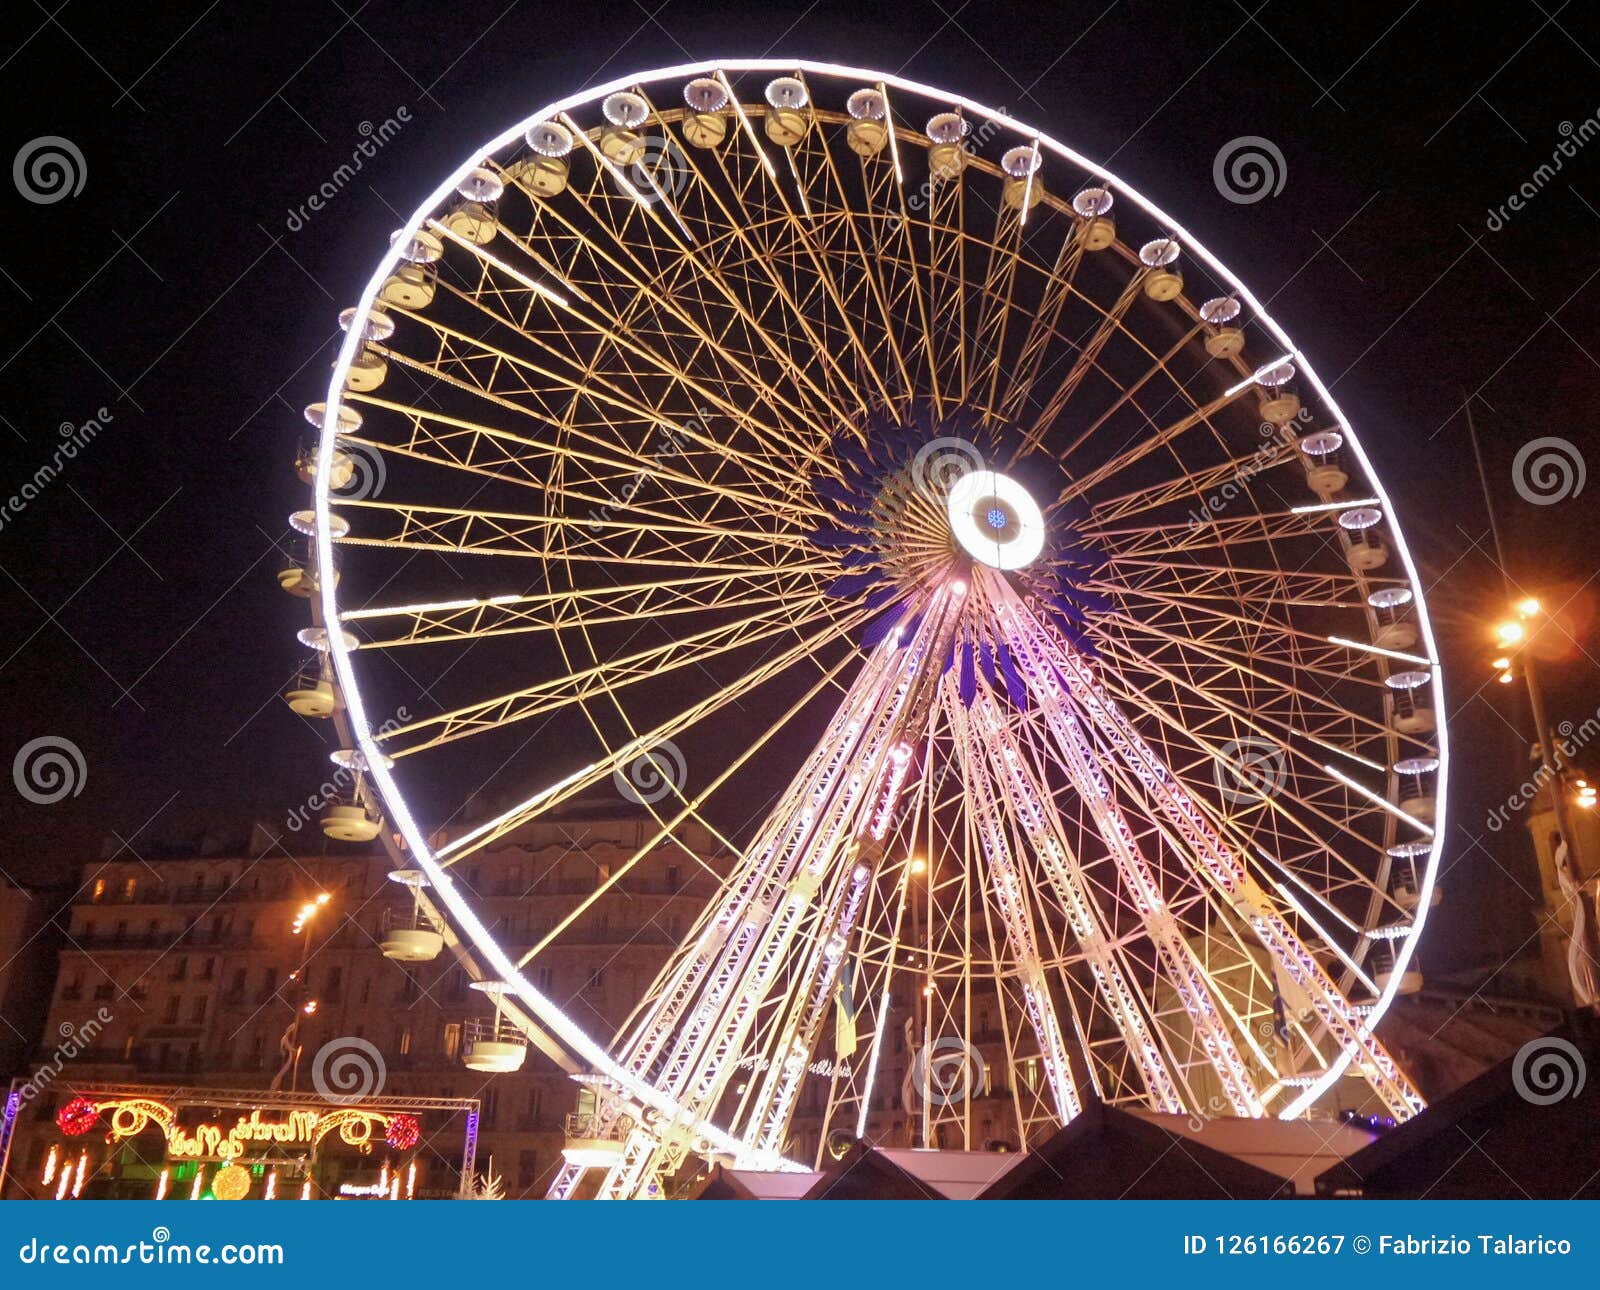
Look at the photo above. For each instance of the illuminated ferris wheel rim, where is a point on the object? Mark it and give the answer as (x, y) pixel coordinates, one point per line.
(354, 716)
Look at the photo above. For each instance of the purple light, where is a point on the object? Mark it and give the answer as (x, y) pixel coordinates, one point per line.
(996, 518)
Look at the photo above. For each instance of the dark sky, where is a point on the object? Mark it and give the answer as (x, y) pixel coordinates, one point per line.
(142, 617)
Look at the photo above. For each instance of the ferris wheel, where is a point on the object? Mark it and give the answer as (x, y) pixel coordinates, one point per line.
(842, 467)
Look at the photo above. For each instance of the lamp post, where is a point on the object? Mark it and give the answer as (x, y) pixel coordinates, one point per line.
(1516, 636)
(303, 1007)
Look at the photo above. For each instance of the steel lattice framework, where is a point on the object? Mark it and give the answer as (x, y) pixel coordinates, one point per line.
(1025, 616)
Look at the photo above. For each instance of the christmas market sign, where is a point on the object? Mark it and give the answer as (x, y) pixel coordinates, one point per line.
(214, 1142)
(219, 1140)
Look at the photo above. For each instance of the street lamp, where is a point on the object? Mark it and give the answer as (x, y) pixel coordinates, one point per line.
(1515, 636)
(289, 1044)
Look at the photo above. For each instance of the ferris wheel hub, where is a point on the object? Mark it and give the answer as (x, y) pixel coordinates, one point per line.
(995, 520)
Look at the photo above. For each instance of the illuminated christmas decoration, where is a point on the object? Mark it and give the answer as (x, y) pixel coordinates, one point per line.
(403, 1132)
(1107, 747)
(199, 1183)
(161, 1185)
(231, 1182)
(77, 1117)
(65, 1184)
(49, 1167)
(78, 1177)
(256, 1127)
(271, 1192)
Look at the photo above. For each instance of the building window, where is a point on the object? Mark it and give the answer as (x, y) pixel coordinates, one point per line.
(673, 878)
(527, 1169)
(334, 986)
(121, 934)
(173, 1003)
(405, 1042)
(596, 981)
(452, 1040)
(99, 892)
(545, 980)
(130, 888)
(197, 1010)
(180, 967)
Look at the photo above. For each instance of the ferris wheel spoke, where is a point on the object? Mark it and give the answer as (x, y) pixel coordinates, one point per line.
(646, 543)
(1010, 902)
(1217, 532)
(692, 808)
(1203, 1009)
(1159, 366)
(1145, 445)
(947, 283)
(997, 299)
(1043, 328)
(1138, 640)
(642, 742)
(857, 277)
(896, 249)
(598, 680)
(640, 287)
(1026, 800)
(634, 364)
(1197, 625)
(796, 230)
(1277, 735)
(1295, 961)
(486, 533)
(1233, 583)
(557, 399)
(444, 621)
(534, 463)
(708, 272)
(1213, 486)
(1084, 362)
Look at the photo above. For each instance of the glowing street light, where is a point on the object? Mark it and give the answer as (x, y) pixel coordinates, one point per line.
(308, 911)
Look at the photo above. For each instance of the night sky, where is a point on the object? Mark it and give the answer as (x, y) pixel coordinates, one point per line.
(143, 620)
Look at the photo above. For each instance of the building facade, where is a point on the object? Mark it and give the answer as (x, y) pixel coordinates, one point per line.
(188, 971)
